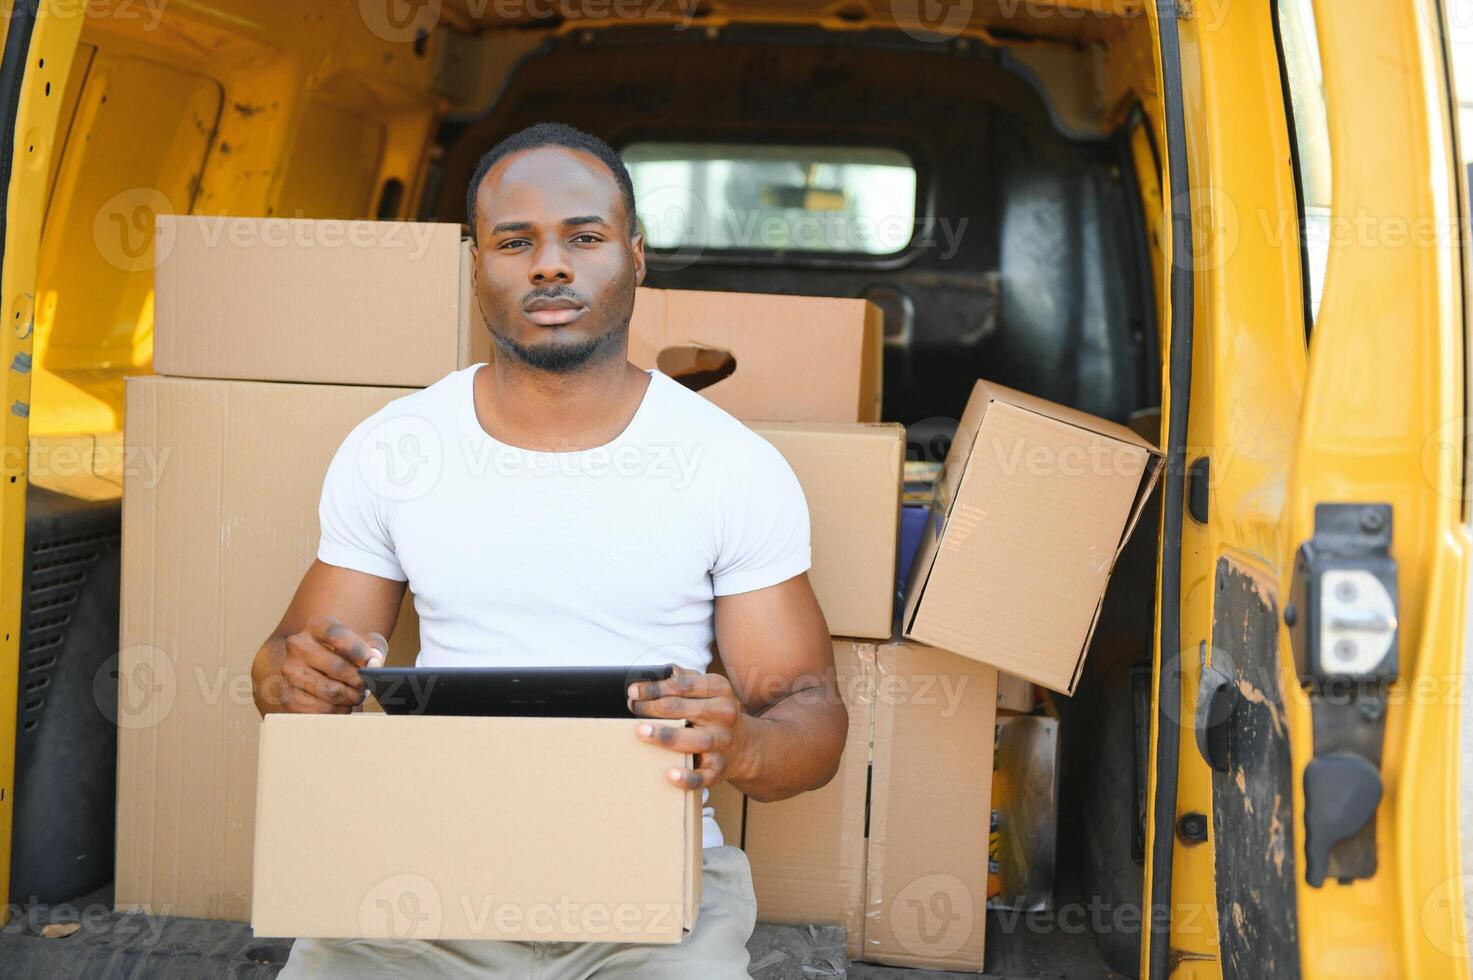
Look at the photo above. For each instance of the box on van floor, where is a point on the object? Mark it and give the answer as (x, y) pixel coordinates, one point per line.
(219, 523)
(808, 852)
(1033, 505)
(930, 809)
(418, 827)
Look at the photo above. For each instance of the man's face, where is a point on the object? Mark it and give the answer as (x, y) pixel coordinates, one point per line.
(555, 263)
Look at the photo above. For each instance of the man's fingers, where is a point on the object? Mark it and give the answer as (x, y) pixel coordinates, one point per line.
(684, 682)
(305, 677)
(328, 662)
(332, 634)
(716, 711)
(703, 778)
(687, 739)
(380, 649)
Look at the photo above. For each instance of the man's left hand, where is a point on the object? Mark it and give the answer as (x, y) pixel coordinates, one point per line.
(716, 735)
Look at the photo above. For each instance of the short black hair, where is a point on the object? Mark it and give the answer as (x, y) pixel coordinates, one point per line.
(552, 134)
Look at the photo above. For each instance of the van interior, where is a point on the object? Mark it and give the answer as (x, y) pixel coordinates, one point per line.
(987, 182)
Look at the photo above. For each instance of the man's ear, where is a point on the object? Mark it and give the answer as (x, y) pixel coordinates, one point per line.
(636, 244)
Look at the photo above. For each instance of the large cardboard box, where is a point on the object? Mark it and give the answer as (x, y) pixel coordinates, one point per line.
(808, 852)
(851, 478)
(1032, 508)
(340, 302)
(930, 809)
(420, 827)
(219, 523)
(762, 356)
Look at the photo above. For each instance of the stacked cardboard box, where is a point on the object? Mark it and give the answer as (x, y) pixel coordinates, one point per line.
(275, 338)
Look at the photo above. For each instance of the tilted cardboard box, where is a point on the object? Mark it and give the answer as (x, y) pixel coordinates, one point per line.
(420, 827)
(1033, 506)
(292, 299)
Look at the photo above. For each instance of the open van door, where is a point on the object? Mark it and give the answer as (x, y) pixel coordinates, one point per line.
(1313, 720)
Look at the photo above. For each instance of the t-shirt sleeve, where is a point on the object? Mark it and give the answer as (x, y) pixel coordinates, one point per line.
(353, 517)
(764, 531)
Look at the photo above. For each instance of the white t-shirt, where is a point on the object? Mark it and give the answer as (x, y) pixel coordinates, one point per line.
(606, 556)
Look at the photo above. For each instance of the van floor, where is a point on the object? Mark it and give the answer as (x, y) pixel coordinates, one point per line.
(116, 945)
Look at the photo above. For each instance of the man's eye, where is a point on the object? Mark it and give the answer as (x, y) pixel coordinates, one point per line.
(586, 237)
(514, 243)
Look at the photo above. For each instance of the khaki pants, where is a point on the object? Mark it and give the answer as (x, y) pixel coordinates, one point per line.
(715, 950)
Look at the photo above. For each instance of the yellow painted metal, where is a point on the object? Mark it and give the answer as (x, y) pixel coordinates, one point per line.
(53, 43)
(226, 107)
(1382, 419)
(1372, 412)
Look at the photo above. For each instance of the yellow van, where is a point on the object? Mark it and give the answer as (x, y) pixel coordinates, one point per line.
(1239, 224)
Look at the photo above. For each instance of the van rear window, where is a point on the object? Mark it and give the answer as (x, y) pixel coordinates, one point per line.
(775, 199)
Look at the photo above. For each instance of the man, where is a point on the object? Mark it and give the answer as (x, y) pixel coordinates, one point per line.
(561, 506)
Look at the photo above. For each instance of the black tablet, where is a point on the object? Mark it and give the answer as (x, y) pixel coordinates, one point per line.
(550, 692)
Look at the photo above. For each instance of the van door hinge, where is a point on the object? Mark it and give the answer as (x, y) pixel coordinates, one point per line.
(1343, 625)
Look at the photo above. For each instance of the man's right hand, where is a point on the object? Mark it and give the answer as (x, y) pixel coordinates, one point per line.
(320, 672)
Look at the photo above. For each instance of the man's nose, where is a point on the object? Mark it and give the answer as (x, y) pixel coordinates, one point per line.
(550, 264)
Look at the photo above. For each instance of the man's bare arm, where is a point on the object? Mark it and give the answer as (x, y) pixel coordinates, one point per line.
(779, 662)
(336, 623)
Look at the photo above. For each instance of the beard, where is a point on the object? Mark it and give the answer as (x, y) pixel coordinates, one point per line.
(562, 358)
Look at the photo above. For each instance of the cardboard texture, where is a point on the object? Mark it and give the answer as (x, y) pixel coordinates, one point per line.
(851, 477)
(422, 827)
(339, 302)
(1033, 506)
(930, 808)
(219, 523)
(762, 356)
(808, 852)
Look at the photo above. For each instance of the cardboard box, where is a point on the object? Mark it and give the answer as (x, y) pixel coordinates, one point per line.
(851, 478)
(1014, 695)
(808, 852)
(730, 806)
(1033, 506)
(762, 356)
(339, 302)
(532, 829)
(219, 523)
(930, 807)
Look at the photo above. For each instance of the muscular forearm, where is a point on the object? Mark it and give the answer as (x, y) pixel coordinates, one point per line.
(792, 747)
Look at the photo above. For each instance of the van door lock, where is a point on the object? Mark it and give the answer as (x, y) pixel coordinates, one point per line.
(1342, 621)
